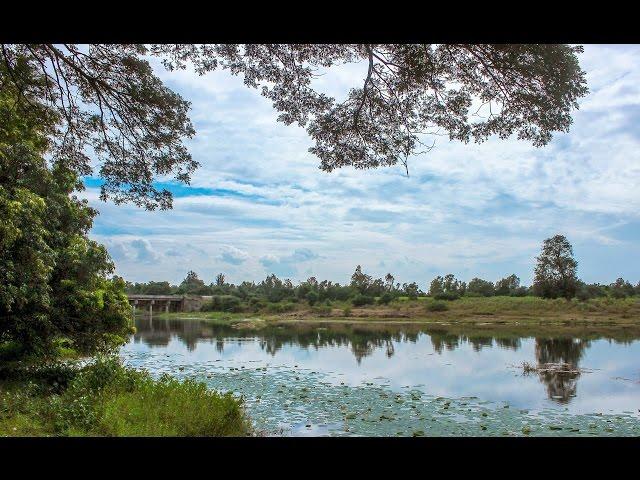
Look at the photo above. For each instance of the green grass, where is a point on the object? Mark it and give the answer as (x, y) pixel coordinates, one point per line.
(107, 399)
(498, 310)
(222, 317)
(534, 306)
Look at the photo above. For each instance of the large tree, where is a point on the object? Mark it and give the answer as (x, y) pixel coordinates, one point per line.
(53, 278)
(112, 106)
(555, 272)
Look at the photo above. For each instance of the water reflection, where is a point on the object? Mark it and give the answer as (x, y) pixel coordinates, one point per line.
(364, 340)
(561, 386)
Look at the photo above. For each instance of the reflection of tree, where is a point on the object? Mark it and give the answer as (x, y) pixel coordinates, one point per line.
(442, 339)
(363, 340)
(390, 349)
(154, 339)
(151, 332)
(479, 342)
(510, 343)
(361, 350)
(561, 386)
(191, 332)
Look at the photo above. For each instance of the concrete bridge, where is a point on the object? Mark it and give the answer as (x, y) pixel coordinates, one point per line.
(166, 303)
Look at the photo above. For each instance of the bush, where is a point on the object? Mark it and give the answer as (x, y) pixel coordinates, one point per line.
(107, 399)
(312, 297)
(450, 296)
(280, 307)
(256, 304)
(223, 303)
(346, 311)
(437, 306)
(386, 298)
(481, 287)
(48, 376)
(585, 291)
(520, 292)
(583, 295)
(360, 300)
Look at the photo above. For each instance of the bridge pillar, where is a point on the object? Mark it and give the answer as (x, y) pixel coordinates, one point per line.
(166, 306)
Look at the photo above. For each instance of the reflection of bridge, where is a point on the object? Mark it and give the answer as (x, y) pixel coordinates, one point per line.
(166, 303)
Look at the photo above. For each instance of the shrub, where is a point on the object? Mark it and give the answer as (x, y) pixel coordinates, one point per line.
(386, 298)
(50, 376)
(280, 307)
(223, 303)
(346, 311)
(583, 295)
(481, 287)
(520, 292)
(585, 291)
(256, 304)
(447, 296)
(312, 297)
(437, 306)
(360, 300)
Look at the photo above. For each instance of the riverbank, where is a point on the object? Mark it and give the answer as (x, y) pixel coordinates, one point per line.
(107, 399)
(521, 313)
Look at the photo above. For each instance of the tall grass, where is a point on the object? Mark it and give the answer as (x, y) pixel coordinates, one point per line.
(108, 399)
(536, 305)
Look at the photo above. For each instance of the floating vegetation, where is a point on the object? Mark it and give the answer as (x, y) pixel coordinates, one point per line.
(293, 401)
(553, 368)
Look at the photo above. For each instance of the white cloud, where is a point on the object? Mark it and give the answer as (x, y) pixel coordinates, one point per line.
(138, 250)
(233, 255)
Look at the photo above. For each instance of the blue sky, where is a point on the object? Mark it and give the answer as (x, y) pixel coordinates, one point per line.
(259, 204)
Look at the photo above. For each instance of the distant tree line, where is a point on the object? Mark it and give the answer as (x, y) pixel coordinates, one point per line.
(555, 277)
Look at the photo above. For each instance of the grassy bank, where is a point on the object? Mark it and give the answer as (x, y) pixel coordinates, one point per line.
(108, 399)
(533, 309)
(466, 310)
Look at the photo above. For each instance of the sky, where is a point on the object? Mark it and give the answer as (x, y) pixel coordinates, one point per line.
(259, 204)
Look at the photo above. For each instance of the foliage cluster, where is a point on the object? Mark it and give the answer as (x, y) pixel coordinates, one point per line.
(53, 279)
(108, 399)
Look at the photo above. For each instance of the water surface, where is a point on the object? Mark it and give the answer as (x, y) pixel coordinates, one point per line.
(355, 379)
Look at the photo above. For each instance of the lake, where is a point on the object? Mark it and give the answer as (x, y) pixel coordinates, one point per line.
(410, 380)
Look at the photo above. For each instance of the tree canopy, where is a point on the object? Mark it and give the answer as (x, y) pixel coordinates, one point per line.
(53, 278)
(112, 107)
(555, 272)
